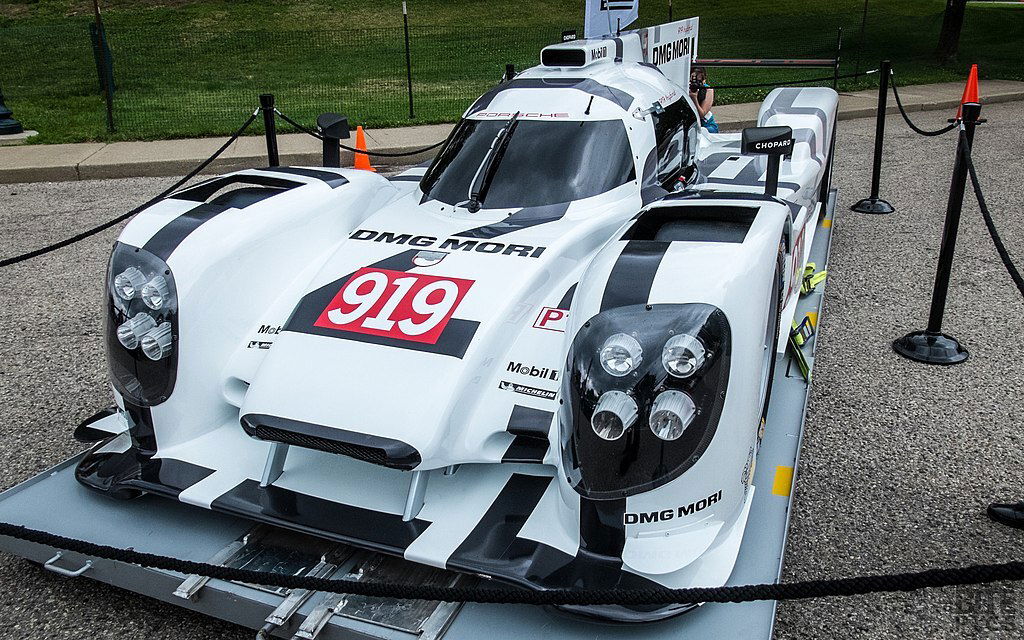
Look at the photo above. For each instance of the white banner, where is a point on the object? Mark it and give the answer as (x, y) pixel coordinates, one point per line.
(607, 17)
(672, 47)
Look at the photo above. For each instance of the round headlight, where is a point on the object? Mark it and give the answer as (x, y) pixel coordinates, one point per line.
(683, 355)
(615, 412)
(157, 342)
(154, 294)
(131, 331)
(128, 283)
(672, 412)
(620, 354)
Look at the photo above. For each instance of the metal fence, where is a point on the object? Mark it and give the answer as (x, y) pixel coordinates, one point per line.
(180, 81)
(172, 84)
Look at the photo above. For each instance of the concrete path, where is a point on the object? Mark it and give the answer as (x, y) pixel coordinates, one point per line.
(92, 160)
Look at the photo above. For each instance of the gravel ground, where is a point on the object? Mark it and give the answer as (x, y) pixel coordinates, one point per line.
(899, 459)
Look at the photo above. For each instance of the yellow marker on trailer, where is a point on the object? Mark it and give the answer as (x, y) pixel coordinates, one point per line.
(783, 484)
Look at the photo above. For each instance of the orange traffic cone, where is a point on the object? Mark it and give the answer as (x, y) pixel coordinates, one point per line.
(362, 161)
(970, 91)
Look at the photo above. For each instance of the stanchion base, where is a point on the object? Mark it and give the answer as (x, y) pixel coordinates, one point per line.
(930, 347)
(873, 205)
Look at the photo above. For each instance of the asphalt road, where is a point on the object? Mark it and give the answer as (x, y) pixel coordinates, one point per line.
(898, 462)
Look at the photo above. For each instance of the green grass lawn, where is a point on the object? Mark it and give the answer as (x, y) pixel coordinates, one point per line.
(191, 68)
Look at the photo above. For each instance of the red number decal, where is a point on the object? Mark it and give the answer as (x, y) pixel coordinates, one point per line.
(396, 304)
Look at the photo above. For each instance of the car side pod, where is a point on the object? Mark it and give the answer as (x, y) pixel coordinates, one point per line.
(773, 142)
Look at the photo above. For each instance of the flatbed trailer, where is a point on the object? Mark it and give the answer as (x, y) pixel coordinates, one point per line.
(53, 501)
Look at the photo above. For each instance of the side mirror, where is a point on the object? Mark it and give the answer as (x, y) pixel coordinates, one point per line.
(774, 142)
(334, 129)
(333, 125)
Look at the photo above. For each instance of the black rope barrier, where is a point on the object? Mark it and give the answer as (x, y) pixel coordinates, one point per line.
(380, 154)
(857, 585)
(121, 218)
(986, 215)
(903, 112)
(790, 82)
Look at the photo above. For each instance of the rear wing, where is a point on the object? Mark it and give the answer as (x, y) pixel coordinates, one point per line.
(669, 47)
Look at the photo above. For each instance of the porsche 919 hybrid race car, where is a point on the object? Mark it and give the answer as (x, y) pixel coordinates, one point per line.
(545, 358)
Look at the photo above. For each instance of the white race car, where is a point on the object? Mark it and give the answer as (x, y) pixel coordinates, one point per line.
(544, 359)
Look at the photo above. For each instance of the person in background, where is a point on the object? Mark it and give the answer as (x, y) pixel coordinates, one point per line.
(703, 97)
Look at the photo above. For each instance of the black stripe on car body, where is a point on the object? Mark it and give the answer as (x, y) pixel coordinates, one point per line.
(166, 240)
(522, 219)
(586, 85)
(202, 191)
(714, 194)
(454, 340)
(783, 104)
(140, 426)
(333, 180)
(163, 243)
(567, 298)
(749, 175)
(632, 275)
(495, 548)
(500, 525)
(385, 532)
(530, 427)
(602, 527)
(134, 472)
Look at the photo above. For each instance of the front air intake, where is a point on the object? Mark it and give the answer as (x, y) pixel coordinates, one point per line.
(385, 452)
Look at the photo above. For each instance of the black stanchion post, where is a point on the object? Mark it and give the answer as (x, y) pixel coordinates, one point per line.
(334, 128)
(8, 125)
(106, 66)
(510, 72)
(835, 66)
(860, 38)
(270, 128)
(931, 346)
(874, 204)
(408, 56)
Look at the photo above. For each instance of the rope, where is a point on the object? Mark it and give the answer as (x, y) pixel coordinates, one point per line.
(1004, 255)
(858, 585)
(121, 218)
(781, 84)
(903, 112)
(381, 154)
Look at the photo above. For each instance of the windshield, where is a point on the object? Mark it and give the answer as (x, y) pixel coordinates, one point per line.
(544, 162)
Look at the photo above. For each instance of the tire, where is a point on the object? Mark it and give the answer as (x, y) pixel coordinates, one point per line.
(826, 176)
(772, 338)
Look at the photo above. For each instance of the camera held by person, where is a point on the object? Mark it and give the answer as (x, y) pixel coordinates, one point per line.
(703, 97)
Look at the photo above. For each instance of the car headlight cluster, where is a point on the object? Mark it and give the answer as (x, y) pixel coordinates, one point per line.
(142, 325)
(673, 411)
(142, 329)
(643, 394)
